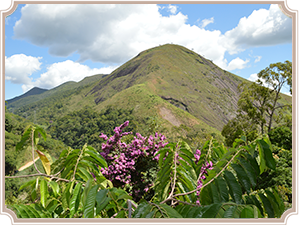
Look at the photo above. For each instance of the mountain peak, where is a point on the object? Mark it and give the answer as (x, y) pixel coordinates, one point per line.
(33, 91)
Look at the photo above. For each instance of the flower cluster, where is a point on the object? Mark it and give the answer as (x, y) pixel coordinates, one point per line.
(129, 164)
(206, 166)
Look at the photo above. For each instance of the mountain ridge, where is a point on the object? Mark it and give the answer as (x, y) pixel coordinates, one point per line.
(169, 82)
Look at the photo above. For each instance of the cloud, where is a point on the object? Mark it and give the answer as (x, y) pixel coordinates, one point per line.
(61, 72)
(262, 28)
(237, 63)
(115, 33)
(257, 59)
(205, 22)
(19, 68)
(172, 8)
(254, 78)
(287, 93)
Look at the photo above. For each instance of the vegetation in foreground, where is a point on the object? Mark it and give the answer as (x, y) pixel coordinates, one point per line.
(212, 182)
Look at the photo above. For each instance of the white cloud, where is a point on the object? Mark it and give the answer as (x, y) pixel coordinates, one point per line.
(19, 68)
(287, 93)
(172, 8)
(205, 22)
(253, 77)
(115, 33)
(257, 59)
(61, 72)
(262, 28)
(237, 63)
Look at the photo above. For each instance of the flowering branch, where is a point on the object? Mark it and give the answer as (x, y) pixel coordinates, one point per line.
(199, 188)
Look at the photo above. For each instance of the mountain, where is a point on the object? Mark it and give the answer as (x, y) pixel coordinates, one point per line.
(33, 91)
(181, 89)
(52, 95)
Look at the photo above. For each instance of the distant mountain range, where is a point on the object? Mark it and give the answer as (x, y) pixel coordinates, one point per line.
(169, 82)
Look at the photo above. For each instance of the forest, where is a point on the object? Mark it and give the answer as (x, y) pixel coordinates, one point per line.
(111, 164)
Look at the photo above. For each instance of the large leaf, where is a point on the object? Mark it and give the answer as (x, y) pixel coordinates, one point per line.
(267, 154)
(234, 187)
(243, 177)
(43, 192)
(74, 202)
(46, 163)
(89, 206)
(102, 200)
(55, 187)
(267, 205)
(222, 189)
(143, 209)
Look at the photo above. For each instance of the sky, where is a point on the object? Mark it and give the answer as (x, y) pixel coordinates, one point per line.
(47, 45)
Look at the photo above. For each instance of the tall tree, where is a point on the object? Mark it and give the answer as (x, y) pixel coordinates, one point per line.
(276, 76)
(259, 100)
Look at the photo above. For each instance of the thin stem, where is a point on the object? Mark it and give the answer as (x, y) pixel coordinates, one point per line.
(39, 174)
(174, 179)
(77, 164)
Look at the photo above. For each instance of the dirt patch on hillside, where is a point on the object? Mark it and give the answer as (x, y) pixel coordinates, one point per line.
(168, 115)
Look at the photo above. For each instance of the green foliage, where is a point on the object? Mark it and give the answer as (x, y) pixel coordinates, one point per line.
(281, 137)
(84, 126)
(260, 107)
(223, 180)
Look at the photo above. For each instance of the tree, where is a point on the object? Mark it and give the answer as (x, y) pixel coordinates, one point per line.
(237, 127)
(259, 101)
(276, 76)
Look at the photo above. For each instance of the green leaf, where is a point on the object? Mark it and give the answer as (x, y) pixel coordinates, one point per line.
(261, 159)
(102, 200)
(55, 187)
(209, 211)
(74, 202)
(34, 211)
(169, 211)
(28, 210)
(31, 182)
(101, 161)
(85, 172)
(43, 192)
(25, 138)
(267, 205)
(252, 200)
(274, 203)
(22, 212)
(66, 196)
(267, 153)
(234, 187)
(222, 188)
(230, 212)
(89, 206)
(247, 212)
(206, 195)
(249, 170)
(121, 214)
(142, 209)
(243, 177)
(41, 131)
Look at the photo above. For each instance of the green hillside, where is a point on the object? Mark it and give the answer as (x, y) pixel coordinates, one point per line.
(187, 94)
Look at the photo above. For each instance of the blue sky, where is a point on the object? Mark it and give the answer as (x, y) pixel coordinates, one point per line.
(47, 45)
